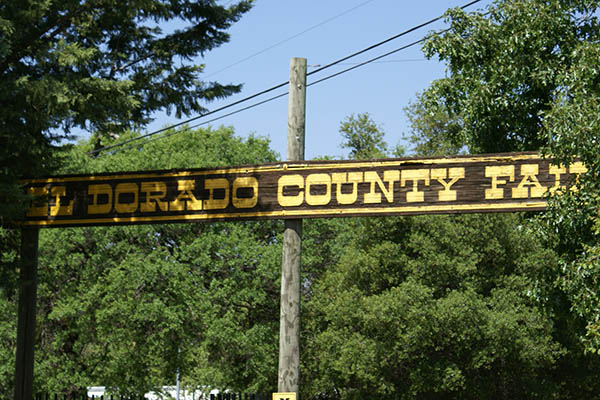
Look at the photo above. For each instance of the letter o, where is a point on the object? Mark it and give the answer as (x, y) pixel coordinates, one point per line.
(318, 199)
(126, 188)
(246, 182)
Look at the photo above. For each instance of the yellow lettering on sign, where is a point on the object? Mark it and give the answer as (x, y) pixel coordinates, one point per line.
(318, 180)
(96, 191)
(289, 181)
(211, 185)
(246, 182)
(557, 172)
(373, 178)
(126, 188)
(342, 178)
(58, 208)
(495, 172)
(529, 184)
(155, 192)
(577, 168)
(185, 199)
(453, 174)
(415, 175)
(40, 210)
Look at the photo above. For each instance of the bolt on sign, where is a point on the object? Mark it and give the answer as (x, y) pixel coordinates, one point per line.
(461, 184)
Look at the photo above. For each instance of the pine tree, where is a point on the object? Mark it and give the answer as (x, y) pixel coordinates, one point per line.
(101, 65)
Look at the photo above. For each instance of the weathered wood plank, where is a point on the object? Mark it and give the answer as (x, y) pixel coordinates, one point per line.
(488, 183)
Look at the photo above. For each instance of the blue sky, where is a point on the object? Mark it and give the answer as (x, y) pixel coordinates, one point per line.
(323, 31)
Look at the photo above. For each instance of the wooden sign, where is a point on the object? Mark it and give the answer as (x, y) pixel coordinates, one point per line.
(462, 184)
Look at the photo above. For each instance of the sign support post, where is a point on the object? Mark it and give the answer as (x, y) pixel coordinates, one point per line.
(26, 318)
(289, 328)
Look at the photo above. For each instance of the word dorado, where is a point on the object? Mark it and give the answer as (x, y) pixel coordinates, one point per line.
(154, 194)
(269, 193)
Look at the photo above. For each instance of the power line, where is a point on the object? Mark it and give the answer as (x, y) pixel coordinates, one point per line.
(355, 65)
(405, 60)
(205, 122)
(278, 86)
(406, 32)
(189, 119)
(370, 60)
(289, 38)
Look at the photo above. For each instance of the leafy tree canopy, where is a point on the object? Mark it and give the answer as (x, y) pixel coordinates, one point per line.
(442, 307)
(434, 307)
(125, 307)
(363, 137)
(430, 307)
(505, 67)
(361, 284)
(524, 75)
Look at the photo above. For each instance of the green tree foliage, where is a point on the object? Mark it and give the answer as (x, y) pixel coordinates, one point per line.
(571, 129)
(101, 65)
(124, 307)
(434, 307)
(524, 76)
(8, 343)
(452, 307)
(504, 67)
(9, 243)
(433, 132)
(363, 137)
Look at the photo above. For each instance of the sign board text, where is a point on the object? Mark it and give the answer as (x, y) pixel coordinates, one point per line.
(461, 184)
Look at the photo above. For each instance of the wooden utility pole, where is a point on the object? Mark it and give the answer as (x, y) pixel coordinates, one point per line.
(26, 318)
(289, 328)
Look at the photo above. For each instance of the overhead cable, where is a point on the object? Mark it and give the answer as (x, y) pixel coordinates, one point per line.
(178, 124)
(358, 65)
(166, 135)
(406, 32)
(288, 39)
(283, 84)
